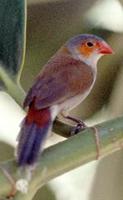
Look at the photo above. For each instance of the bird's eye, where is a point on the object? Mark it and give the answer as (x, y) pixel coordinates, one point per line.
(89, 44)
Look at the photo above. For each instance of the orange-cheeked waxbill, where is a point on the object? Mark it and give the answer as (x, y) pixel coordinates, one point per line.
(65, 81)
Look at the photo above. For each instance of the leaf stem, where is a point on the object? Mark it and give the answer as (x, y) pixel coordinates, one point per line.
(11, 87)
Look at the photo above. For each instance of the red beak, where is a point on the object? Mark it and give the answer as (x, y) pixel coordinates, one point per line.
(105, 48)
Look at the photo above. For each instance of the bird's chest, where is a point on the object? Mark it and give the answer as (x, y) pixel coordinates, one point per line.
(82, 87)
(72, 102)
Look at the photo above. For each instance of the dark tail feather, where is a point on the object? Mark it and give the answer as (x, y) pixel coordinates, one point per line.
(31, 140)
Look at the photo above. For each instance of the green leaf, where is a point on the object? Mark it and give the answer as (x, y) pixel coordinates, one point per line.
(12, 43)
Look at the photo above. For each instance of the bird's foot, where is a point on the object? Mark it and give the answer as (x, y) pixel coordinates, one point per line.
(12, 182)
(81, 126)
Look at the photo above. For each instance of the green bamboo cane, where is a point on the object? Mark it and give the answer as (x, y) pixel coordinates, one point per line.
(67, 155)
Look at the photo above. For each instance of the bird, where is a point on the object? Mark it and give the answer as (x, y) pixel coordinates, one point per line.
(63, 83)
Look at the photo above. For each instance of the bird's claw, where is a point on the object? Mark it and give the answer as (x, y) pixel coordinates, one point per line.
(79, 127)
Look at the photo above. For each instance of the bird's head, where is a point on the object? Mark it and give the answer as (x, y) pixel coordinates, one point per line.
(88, 48)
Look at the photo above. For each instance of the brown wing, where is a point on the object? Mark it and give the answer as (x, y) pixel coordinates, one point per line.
(63, 77)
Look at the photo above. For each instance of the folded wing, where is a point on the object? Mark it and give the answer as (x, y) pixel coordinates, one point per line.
(62, 78)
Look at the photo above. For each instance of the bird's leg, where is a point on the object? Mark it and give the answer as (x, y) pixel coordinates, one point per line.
(12, 182)
(82, 126)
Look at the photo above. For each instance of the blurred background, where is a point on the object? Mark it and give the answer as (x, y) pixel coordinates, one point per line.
(49, 24)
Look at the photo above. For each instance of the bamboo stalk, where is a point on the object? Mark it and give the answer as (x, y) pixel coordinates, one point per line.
(67, 155)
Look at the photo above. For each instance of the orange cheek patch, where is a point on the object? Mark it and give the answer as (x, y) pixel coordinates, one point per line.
(85, 50)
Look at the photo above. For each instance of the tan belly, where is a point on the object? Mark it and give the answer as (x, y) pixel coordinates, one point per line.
(74, 101)
(69, 104)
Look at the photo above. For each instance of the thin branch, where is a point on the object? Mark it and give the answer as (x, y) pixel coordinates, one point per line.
(67, 155)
